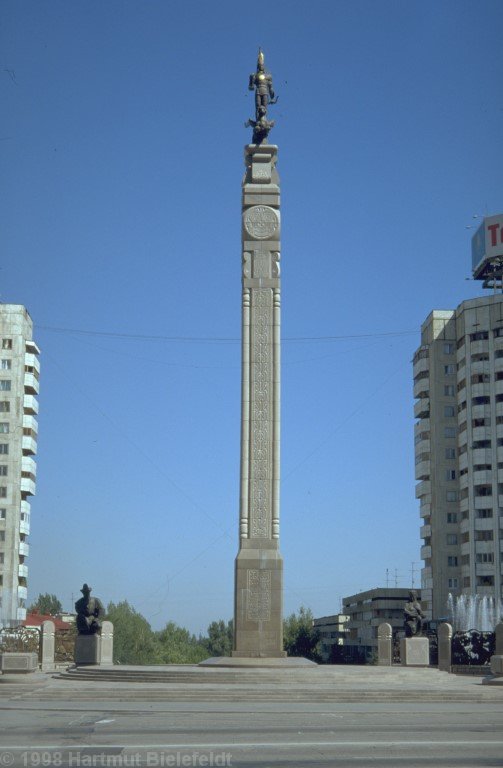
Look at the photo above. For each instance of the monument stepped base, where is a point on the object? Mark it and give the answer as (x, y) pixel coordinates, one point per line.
(314, 684)
(270, 662)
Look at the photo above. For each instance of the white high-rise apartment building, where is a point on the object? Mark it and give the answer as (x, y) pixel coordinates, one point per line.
(19, 374)
(458, 386)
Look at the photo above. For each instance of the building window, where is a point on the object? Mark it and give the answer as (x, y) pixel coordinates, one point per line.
(1, 558)
(4, 448)
(5, 385)
(450, 453)
(451, 538)
(449, 431)
(466, 582)
(497, 332)
(3, 470)
(452, 583)
(481, 444)
(485, 581)
(451, 496)
(485, 557)
(6, 343)
(483, 490)
(449, 410)
(480, 378)
(452, 561)
(449, 390)
(484, 513)
(3, 491)
(452, 517)
(484, 536)
(481, 400)
(6, 364)
(450, 474)
(479, 336)
(3, 514)
(4, 427)
(4, 406)
(449, 369)
(448, 348)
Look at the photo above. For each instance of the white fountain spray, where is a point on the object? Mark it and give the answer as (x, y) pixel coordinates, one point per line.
(474, 612)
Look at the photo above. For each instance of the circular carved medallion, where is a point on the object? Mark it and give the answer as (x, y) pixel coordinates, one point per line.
(261, 222)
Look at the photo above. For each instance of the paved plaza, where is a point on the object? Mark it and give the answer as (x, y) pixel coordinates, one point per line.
(308, 718)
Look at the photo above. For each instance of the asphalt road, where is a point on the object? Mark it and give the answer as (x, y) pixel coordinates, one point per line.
(162, 734)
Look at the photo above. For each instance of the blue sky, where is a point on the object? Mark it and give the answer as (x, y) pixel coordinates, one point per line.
(121, 146)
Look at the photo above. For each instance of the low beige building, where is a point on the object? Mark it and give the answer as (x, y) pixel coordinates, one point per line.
(366, 610)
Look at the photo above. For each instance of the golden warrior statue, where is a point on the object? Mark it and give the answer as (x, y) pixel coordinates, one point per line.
(261, 82)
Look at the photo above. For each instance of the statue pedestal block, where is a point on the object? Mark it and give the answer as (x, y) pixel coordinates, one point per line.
(87, 649)
(415, 652)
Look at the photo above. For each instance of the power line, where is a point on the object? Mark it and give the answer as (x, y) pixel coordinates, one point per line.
(215, 339)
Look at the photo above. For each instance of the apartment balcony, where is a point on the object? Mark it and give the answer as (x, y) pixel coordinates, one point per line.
(481, 390)
(480, 366)
(29, 465)
(425, 552)
(484, 523)
(30, 422)
(24, 527)
(480, 456)
(481, 433)
(465, 548)
(28, 486)
(24, 548)
(425, 510)
(423, 470)
(422, 388)
(423, 489)
(479, 347)
(498, 387)
(482, 502)
(422, 426)
(22, 571)
(31, 386)
(21, 614)
(22, 593)
(483, 477)
(425, 531)
(32, 361)
(32, 347)
(463, 461)
(422, 408)
(463, 481)
(421, 366)
(423, 446)
(30, 405)
(481, 411)
(29, 445)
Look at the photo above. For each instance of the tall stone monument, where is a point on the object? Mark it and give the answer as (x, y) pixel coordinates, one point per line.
(258, 607)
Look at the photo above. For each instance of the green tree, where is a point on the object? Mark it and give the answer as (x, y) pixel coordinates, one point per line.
(178, 646)
(46, 604)
(134, 640)
(220, 638)
(300, 638)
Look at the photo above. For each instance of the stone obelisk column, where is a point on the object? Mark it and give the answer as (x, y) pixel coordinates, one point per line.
(258, 610)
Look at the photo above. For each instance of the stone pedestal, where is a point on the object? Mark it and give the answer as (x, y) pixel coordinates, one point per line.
(18, 662)
(445, 647)
(87, 649)
(47, 647)
(384, 645)
(107, 643)
(415, 652)
(496, 677)
(258, 603)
